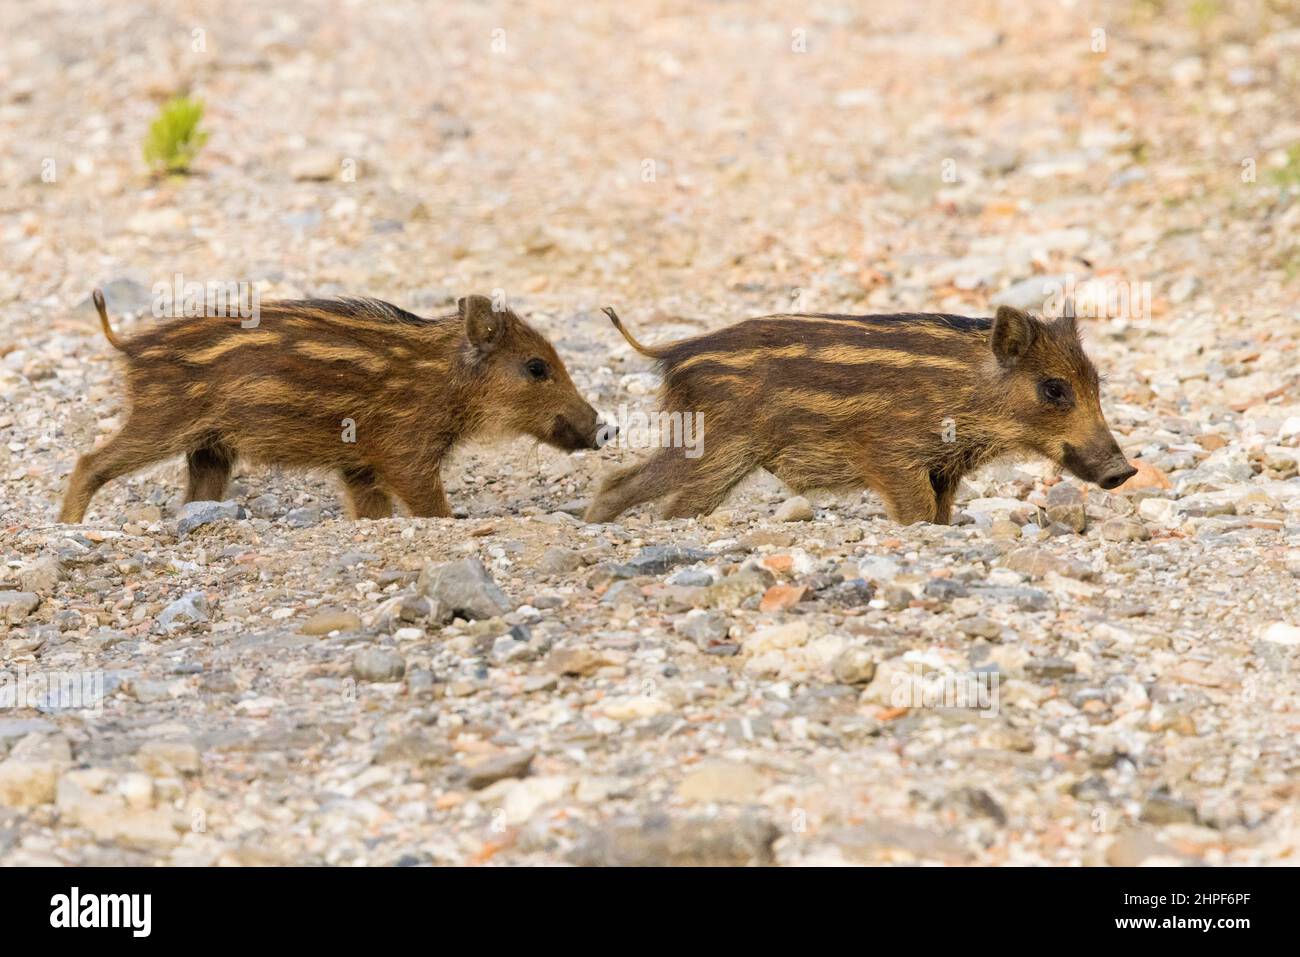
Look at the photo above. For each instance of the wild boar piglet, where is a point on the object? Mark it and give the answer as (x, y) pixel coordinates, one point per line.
(357, 386)
(904, 405)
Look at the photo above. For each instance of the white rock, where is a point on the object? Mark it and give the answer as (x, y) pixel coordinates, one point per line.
(314, 165)
(796, 509)
(877, 568)
(137, 790)
(40, 576)
(1280, 633)
(722, 781)
(1163, 510)
(529, 794)
(776, 638)
(28, 783)
(635, 708)
(17, 605)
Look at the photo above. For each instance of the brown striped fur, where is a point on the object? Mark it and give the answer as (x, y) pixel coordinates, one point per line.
(904, 405)
(280, 392)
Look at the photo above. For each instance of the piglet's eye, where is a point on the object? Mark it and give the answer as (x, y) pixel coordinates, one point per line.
(1054, 390)
(536, 369)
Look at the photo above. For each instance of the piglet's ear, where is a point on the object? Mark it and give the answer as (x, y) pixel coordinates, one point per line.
(484, 326)
(1013, 335)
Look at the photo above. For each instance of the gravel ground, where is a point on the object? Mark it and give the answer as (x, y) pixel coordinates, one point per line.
(784, 681)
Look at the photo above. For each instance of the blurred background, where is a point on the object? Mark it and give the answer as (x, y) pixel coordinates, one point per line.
(676, 156)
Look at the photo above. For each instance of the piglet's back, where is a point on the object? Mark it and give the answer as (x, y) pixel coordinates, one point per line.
(316, 347)
(838, 365)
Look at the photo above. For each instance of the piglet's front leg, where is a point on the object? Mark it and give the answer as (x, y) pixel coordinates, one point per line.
(909, 496)
(421, 492)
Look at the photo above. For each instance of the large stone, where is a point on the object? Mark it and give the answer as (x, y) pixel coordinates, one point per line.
(1023, 597)
(657, 559)
(854, 666)
(314, 166)
(418, 747)
(17, 605)
(162, 758)
(660, 841)
(1162, 808)
(324, 622)
(303, 517)
(1065, 504)
(706, 628)
(1124, 530)
(1037, 563)
(197, 514)
(722, 781)
(529, 795)
(635, 707)
(83, 801)
(977, 626)
(559, 561)
(1049, 668)
(777, 638)
(185, 611)
(28, 783)
(497, 767)
(1163, 511)
(41, 575)
(378, 665)
(878, 569)
(30, 776)
(782, 597)
(1281, 633)
(576, 661)
(622, 593)
(1147, 476)
(729, 593)
(464, 589)
(796, 509)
